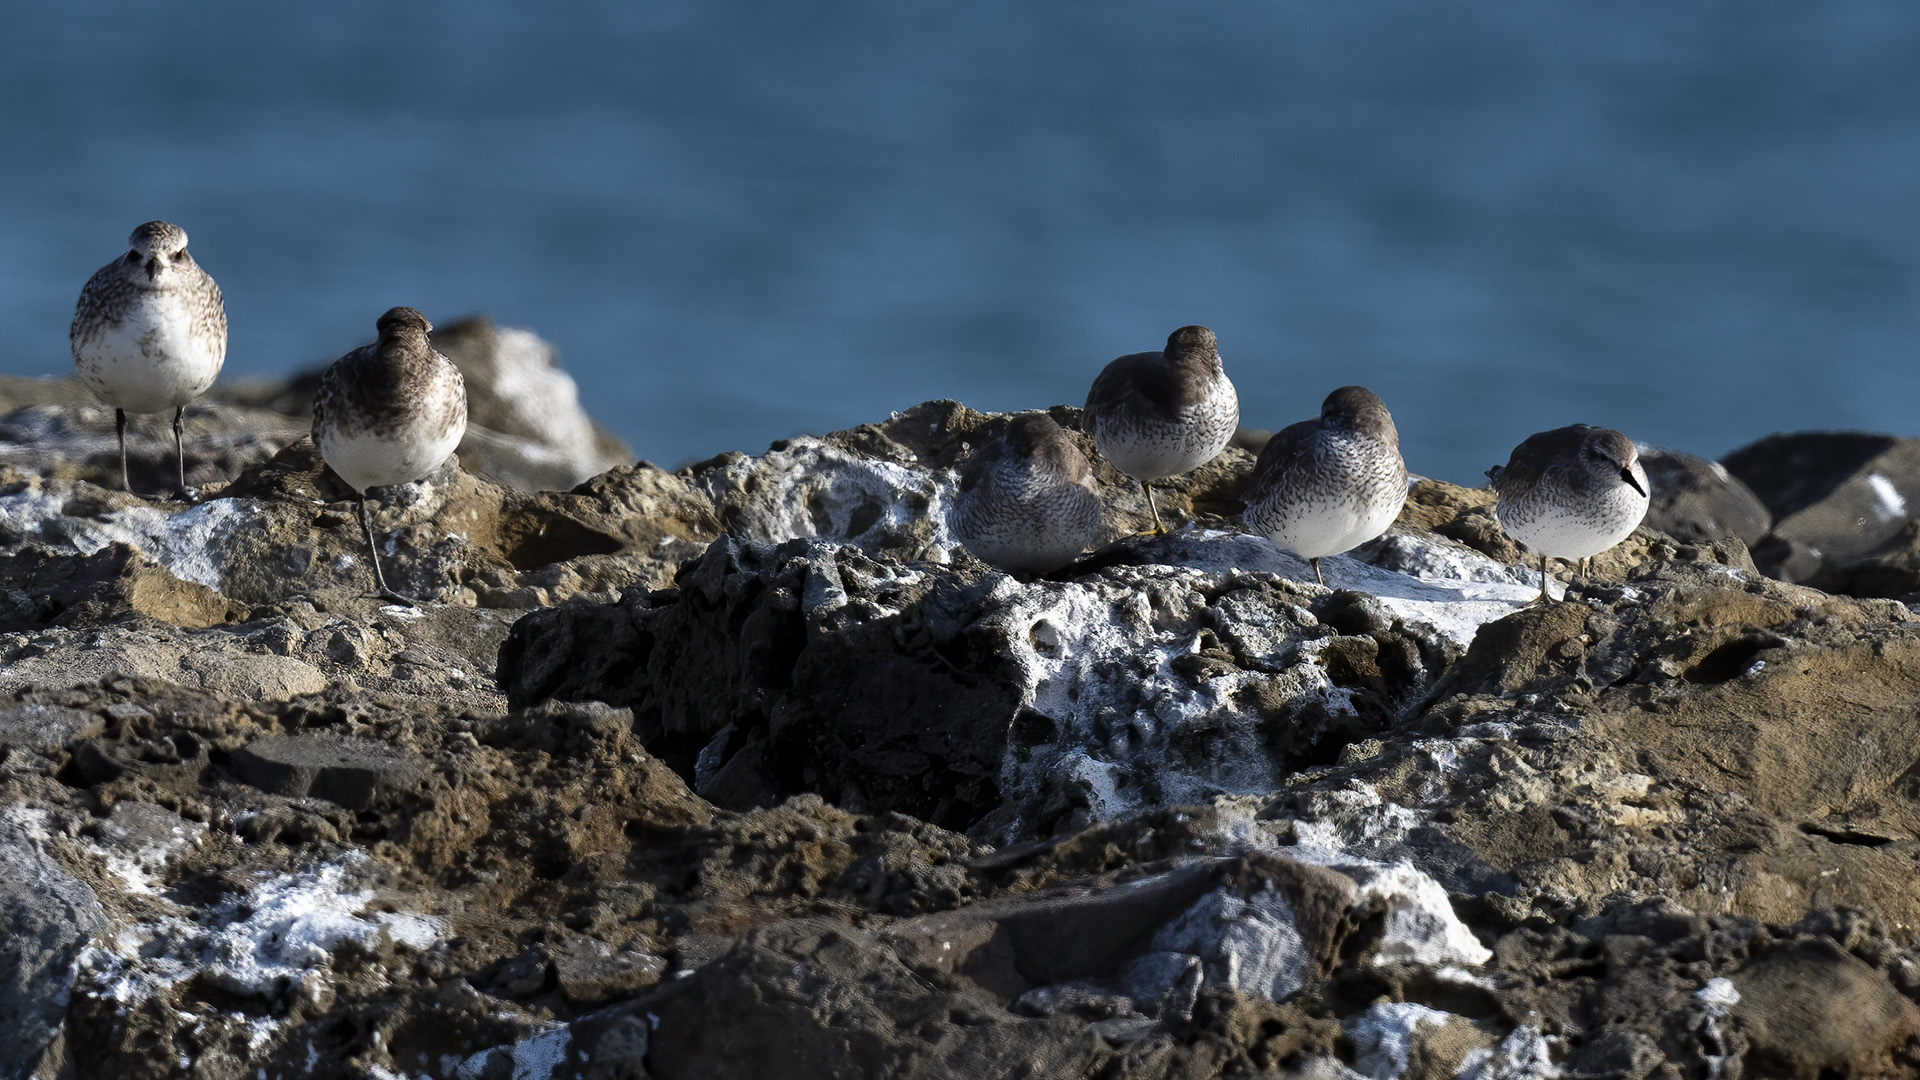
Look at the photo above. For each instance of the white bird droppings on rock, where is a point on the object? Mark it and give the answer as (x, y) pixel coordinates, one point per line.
(536, 1058)
(191, 543)
(1383, 1037)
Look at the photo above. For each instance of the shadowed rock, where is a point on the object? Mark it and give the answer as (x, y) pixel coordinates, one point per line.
(354, 773)
(1698, 501)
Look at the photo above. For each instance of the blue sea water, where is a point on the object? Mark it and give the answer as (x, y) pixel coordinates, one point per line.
(1698, 223)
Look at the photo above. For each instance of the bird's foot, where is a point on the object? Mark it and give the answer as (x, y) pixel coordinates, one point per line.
(399, 598)
(188, 495)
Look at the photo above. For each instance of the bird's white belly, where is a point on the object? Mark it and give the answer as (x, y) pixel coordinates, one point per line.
(1327, 528)
(150, 361)
(1555, 533)
(369, 460)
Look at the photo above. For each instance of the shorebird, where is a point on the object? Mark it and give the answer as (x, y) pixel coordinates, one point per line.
(389, 413)
(1160, 414)
(1028, 502)
(1570, 493)
(1328, 485)
(149, 334)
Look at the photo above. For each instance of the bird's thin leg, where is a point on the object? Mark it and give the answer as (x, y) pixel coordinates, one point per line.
(120, 425)
(1315, 563)
(180, 448)
(1158, 528)
(1543, 578)
(373, 551)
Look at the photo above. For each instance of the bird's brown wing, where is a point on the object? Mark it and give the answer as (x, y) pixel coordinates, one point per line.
(1138, 384)
(1534, 456)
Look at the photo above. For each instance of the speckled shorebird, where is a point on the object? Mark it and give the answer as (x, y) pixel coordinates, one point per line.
(150, 333)
(1328, 485)
(389, 413)
(1570, 493)
(1028, 502)
(1160, 414)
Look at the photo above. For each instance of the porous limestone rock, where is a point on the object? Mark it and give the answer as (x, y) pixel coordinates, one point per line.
(707, 815)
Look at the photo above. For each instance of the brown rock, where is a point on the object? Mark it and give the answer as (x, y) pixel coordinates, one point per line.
(589, 970)
(1811, 1010)
(815, 998)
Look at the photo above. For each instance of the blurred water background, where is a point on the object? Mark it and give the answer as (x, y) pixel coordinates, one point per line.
(1697, 223)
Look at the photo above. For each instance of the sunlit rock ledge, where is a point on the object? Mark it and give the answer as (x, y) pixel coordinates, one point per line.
(746, 769)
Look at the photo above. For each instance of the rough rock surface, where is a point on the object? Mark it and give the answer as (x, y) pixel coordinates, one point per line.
(1699, 501)
(1843, 504)
(748, 770)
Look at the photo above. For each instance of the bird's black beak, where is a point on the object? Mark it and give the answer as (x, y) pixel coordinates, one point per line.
(1627, 475)
(153, 267)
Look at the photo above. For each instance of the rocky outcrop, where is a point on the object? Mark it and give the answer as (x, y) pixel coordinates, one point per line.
(1695, 500)
(748, 769)
(1840, 503)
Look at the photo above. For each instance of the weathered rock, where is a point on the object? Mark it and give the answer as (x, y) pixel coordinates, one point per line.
(1808, 1009)
(355, 773)
(526, 428)
(589, 970)
(55, 429)
(46, 915)
(824, 998)
(1248, 825)
(1837, 499)
(972, 700)
(1697, 501)
(887, 488)
(1257, 924)
(45, 727)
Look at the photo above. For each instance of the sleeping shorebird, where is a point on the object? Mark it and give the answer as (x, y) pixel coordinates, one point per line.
(1160, 414)
(1028, 502)
(1328, 485)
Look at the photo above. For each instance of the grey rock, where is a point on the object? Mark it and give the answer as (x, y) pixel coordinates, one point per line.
(528, 429)
(1163, 982)
(1251, 944)
(1695, 500)
(1084, 1000)
(45, 727)
(815, 998)
(1837, 498)
(46, 915)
